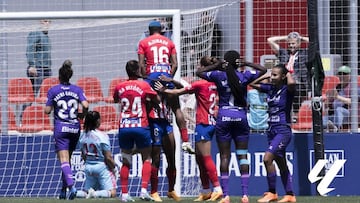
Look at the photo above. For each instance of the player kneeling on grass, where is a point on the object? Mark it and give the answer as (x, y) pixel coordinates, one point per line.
(100, 168)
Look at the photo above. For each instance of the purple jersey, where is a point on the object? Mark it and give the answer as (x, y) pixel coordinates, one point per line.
(226, 98)
(231, 122)
(65, 99)
(280, 103)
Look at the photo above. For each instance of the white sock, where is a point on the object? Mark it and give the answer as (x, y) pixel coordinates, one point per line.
(217, 189)
(143, 190)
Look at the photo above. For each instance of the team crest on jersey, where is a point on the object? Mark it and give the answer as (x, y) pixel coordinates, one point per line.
(160, 68)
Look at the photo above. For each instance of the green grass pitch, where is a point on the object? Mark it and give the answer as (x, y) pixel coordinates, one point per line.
(300, 199)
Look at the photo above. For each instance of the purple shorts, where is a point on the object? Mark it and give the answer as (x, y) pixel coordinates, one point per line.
(232, 124)
(66, 136)
(279, 137)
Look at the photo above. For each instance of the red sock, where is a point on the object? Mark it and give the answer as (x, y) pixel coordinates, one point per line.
(211, 170)
(171, 174)
(146, 173)
(124, 178)
(154, 180)
(203, 174)
(184, 135)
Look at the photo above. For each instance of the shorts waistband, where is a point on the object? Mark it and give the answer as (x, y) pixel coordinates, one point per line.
(233, 107)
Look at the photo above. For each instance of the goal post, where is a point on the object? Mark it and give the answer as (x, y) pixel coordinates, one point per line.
(173, 13)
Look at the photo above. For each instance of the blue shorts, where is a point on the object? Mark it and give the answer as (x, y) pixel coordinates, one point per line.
(139, 136)
(232, 124)
(204, 132)
(279, 137)
(99, 177)
(152, 77)
(159, 129)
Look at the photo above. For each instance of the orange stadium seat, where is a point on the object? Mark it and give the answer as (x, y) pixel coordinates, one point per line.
(20, 91)
(109, 118)
(11, 119)
(330, 82)
(34, 119)
(44, 88)
(113, 83)
(92, 89)
(304, 122)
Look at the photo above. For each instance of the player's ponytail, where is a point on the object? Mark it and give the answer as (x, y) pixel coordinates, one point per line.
(92, 121)
(65, 72)
(232, 57)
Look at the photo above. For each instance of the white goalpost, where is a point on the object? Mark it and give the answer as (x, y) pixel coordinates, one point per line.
(99, 43)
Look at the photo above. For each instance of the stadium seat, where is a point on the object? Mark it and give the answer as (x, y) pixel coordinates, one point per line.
(92, 89)
(113, 83)
(330, 82)
(11, 119)
(304, 122)
(20, 91)
(109, 118)
(44, 88)
(34, 119)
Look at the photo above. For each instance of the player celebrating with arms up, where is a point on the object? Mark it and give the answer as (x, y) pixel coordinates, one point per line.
(65, 98)
(281, 93)
(160, 55)
(133, 96)
(206, 95)
(231, 122)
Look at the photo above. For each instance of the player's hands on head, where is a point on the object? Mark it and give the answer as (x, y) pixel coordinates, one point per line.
(32, 71)
(165, 78)
(241, 61)
(222, 64)
(159, 87)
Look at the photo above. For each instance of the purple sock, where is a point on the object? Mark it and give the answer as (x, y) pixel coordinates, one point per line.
(286, 179)
(245, 184)
(66, 170)
(271, 178)
(224, 181)
(63, 181)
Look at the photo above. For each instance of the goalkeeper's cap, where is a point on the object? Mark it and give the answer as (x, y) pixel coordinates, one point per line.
(155, 24)
(344, 69)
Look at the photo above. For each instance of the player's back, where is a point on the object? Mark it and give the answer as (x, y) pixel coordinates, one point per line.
(226, 98)
(157, 50)
(65, 99)
(132, 96)
(92, 145)
(206, 95)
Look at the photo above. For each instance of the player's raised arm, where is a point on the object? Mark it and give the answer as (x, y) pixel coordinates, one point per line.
(174, 64)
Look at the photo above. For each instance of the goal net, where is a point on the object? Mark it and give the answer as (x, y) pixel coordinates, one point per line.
(99, 47)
